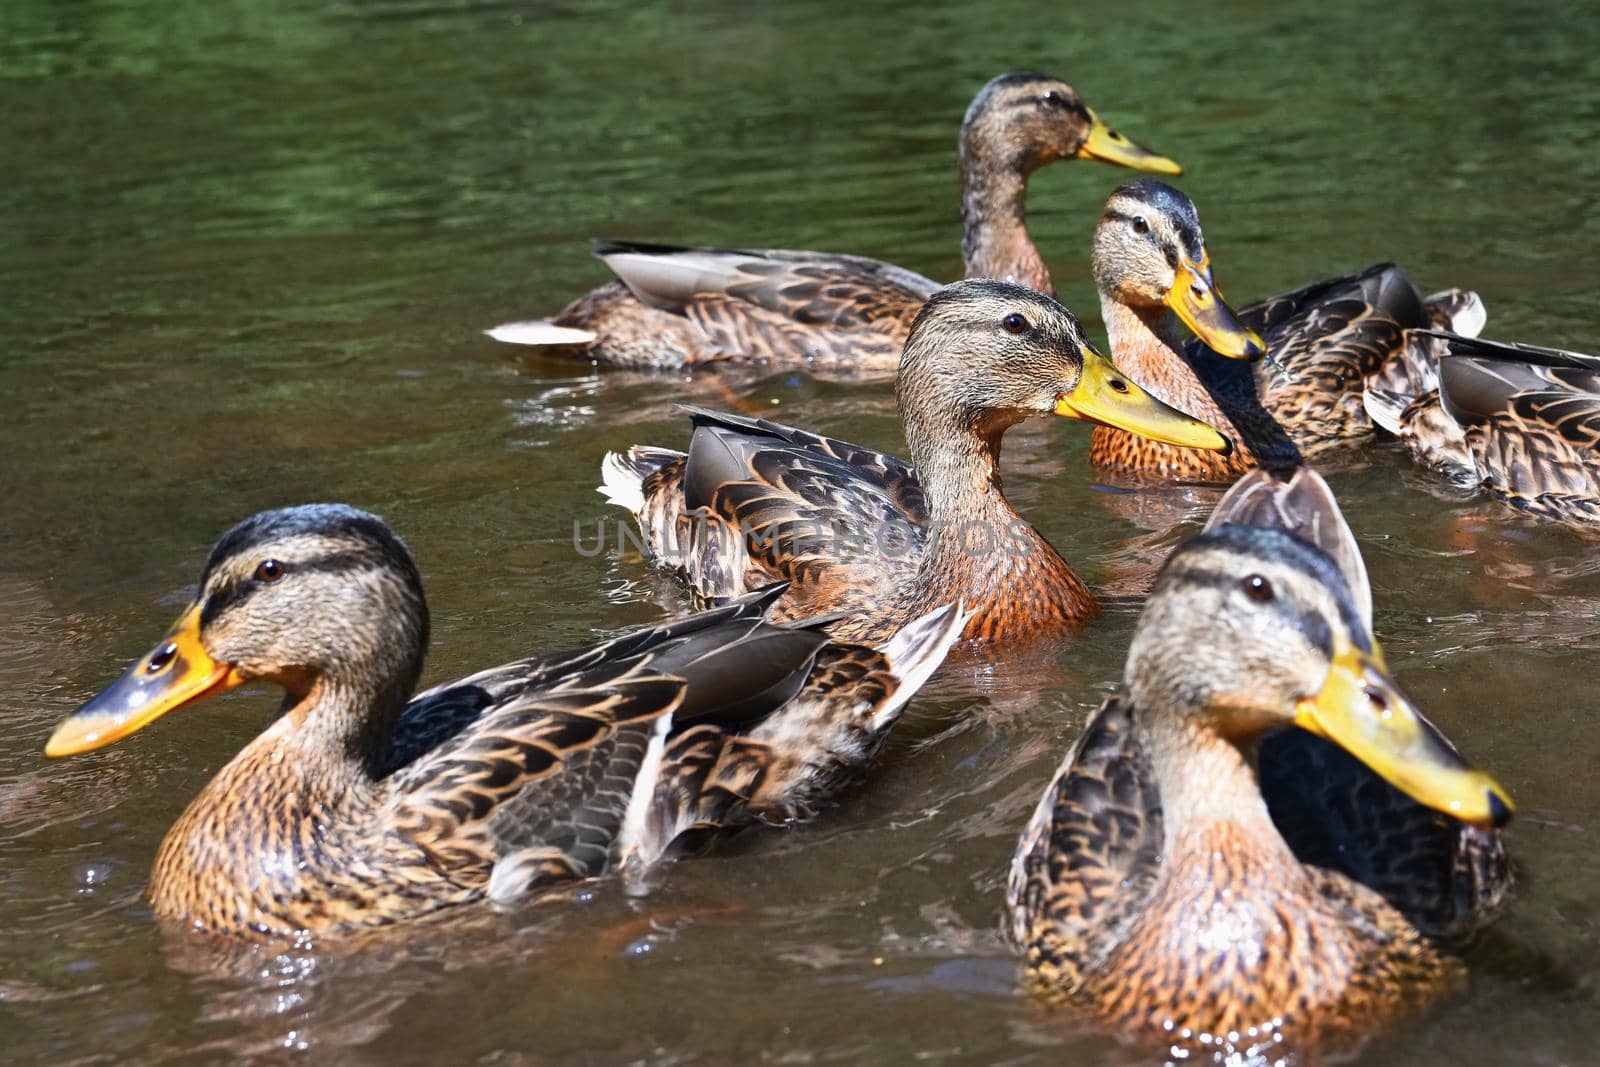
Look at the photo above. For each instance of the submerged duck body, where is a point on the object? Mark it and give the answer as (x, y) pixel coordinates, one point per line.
(1520, 421)
(361, 805)
(674, 306)
(870, 536)
(1157, 883)
(1285, 377)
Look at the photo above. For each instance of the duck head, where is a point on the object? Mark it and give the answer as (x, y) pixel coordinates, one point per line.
(1150, 256)
(299, 597)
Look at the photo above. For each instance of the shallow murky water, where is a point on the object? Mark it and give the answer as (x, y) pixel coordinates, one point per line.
(247, 249)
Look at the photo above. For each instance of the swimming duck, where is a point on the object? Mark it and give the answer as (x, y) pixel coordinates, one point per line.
(869, 537)
(1170, 329)
(362, 805)
(1522, 422)
(1154, 882)
(678, 306)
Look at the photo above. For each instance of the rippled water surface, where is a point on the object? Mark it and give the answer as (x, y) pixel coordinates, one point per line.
(246, 254)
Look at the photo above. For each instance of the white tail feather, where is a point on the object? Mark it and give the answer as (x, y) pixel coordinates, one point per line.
(539, 332)
(917, 650)
(620, 483)
(1385, 407)
(1462, 310)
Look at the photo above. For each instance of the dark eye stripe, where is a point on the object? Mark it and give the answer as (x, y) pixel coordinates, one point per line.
(231, 593)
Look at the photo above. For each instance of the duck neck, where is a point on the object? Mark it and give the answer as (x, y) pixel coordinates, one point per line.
(1209, 792)
(1147, 345)
(994, 240)
(979, 550)
(959, 466)
(343, 726)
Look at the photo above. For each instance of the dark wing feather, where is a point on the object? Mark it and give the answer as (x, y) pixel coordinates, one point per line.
(1447, 878)
(1531, 417)
(762, 502)
(1325, 339)
(1089, 858)
(787, 766)
(545, 770)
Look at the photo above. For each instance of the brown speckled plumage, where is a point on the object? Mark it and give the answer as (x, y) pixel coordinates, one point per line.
(1194, 904)
(865, 535)
(359, 807)
(1522, 422)
(677, 306)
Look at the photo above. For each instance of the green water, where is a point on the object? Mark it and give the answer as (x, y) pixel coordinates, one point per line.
(247, 250)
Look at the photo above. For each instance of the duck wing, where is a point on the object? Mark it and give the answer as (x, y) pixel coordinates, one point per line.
(1531, 417)
(791, 763)
(1448, 879)
(1089, 858)
(554, 777)
(755, 502)
(778, 304)
(1325, 339)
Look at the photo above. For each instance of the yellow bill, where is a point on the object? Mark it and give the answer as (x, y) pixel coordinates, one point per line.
(1109, 146)
(1362, 710)
(1196, 300)
(176, 672)
(1107, 396)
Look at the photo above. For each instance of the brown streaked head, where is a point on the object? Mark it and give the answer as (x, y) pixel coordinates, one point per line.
(1026, 120)
(1249, 629)
(1150, 254)
(291, 596)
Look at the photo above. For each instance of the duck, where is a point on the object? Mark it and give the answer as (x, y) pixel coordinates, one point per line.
(362, 805)
(674, 306)
(1177, 877)
(869, 538)
(1287, 374)
(1518, 421)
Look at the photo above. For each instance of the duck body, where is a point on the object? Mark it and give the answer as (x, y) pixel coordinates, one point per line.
(870, 537)
(1223, 863)
(1220, 938)
(850, 527)
(1312, 351)
(359, 807)
(677, 306)
(1520, 421)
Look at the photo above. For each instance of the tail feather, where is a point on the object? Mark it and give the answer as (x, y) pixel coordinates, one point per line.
(1385, 406)
(916, 651)
(622, 474)
(540, 332)
(1460, 311)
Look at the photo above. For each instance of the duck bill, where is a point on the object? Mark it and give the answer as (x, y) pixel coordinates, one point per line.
(1107, 396)
(1195, 299)
(1109, 146)
(1362, 710)
(176, 672)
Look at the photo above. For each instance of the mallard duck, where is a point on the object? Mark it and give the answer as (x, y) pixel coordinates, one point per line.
(1155, 882)
(869, 537)
(678, 306)
(363, 805)
(1171, 331)
(1520, 421)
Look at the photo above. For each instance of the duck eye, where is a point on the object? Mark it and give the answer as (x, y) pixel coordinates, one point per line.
(1015, 323)
(1258, 589)
(270, 570)
(1053, 99)
(1140, 224)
